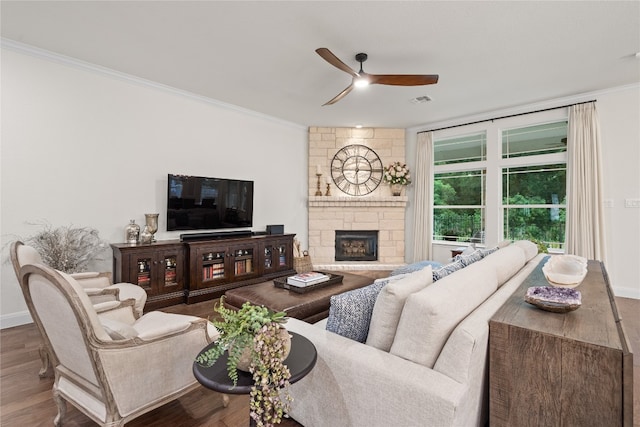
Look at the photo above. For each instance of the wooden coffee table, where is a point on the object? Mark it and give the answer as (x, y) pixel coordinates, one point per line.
(310, 307)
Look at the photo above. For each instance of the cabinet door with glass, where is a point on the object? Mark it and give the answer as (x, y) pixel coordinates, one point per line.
(243, 260)
(157, 272)
(277, 255)
(158, 268)
(211, 266)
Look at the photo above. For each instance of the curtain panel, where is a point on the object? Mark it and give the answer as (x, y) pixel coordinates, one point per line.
(423, 214)
(585, 214)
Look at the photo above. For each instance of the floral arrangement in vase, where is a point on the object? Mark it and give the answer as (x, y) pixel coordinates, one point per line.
(257, 343)
(397, 175)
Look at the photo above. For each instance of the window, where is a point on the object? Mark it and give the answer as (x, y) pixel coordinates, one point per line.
(507, 183)
(458, 205)
(459, 191)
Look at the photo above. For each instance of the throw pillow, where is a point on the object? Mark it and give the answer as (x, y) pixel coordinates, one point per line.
(410, 268)
(350, 312)
(388, 307)
(447, 269)
(469, 258)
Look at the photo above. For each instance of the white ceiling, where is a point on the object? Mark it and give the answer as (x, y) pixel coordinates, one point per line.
(260, 55)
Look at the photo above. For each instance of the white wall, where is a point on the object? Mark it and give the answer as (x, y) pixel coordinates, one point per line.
(87, 148)
(619, 114)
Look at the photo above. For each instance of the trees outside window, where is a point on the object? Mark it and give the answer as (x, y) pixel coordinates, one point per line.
(525, 167)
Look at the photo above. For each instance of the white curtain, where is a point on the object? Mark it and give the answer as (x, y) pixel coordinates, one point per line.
(423, 179)
(585, 214)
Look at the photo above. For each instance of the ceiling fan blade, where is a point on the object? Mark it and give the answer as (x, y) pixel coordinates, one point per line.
(403, 79)
(333, 60)
(339, 96)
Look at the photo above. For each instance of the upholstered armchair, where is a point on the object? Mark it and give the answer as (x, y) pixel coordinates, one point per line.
(97, 285)
(114, 367)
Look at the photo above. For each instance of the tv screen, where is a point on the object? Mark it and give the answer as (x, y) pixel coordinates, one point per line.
(201, 203)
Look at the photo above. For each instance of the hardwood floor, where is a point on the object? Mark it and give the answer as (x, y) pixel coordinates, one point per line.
(25, 399)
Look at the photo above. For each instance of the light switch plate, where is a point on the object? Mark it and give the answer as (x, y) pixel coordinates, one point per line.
(632, 203)
(607, 203)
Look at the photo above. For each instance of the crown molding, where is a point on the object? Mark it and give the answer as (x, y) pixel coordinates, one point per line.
(128, 78)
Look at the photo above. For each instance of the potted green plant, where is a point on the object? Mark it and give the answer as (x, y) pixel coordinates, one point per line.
(256, 342)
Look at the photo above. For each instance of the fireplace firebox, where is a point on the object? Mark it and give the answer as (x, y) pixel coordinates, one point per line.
(356, 245)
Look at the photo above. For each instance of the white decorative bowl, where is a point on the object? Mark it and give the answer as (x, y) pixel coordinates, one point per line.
(565, 271)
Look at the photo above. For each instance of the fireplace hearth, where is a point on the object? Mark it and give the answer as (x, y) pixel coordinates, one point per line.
(356, 245)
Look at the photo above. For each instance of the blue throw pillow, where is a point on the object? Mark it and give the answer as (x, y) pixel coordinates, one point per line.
(468, 259)
(415, 267)
(350, 312)
(447, 269)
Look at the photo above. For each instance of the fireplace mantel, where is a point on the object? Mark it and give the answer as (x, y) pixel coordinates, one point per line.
(359, 202)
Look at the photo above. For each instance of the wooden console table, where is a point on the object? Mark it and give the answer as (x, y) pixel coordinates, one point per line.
(556, 369)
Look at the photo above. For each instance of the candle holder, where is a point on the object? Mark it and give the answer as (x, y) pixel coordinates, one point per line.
(318, 191)
(328, 193)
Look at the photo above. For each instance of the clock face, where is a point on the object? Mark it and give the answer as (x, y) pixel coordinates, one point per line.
(356, 170)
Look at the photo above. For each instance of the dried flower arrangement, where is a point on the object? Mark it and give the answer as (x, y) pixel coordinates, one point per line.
(69, 249)
(258, 331)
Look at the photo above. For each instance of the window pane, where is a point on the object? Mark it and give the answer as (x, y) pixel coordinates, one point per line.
(543, 224)
(534, 185)
(459, 188)
(458, 225)
(471, 148)
(534, 140)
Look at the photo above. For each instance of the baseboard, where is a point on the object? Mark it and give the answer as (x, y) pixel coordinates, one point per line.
(15, 319)
(626, 292)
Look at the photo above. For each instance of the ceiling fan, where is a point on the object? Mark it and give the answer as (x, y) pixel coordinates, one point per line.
(363, 79)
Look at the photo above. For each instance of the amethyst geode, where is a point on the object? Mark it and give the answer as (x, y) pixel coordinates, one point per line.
(559, 300)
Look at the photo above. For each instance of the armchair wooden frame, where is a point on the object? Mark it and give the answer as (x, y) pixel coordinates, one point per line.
(99, 375)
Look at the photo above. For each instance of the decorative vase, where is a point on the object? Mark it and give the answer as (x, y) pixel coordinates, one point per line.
(245, 359)
(132, 232)
(146, 236)
(151, 221)
(396, 189)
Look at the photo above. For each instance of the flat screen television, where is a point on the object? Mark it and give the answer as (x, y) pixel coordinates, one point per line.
(201, 203)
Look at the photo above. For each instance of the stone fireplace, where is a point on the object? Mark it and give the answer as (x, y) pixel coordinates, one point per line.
(356, 245)
(338, 211)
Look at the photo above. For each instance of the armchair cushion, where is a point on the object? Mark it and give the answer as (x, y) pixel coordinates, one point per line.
(157, 324)
(118, 330)
(388, 306)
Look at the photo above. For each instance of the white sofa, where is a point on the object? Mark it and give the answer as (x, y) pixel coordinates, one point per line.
(435, 371)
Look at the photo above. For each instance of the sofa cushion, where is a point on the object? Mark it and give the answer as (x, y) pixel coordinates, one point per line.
(388, 307)
(429, 316)
(350, 312)
(410, 268)
(530, 248)
(506, 261)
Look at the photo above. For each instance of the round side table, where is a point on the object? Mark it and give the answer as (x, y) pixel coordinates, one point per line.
(300, 361)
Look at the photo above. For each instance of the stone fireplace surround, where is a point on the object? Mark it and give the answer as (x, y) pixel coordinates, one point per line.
(377, 211)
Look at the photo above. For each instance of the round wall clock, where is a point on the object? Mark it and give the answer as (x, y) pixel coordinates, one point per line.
(356, 170)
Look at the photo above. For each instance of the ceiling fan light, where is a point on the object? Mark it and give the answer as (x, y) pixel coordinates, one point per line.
(361, 82)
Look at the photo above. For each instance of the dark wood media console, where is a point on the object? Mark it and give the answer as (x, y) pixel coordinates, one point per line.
(174, 271)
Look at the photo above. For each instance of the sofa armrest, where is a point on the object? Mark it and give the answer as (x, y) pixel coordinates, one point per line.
(354, 384)
(92, 279)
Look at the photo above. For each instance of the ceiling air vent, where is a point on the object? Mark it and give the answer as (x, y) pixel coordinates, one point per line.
(421, 99)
